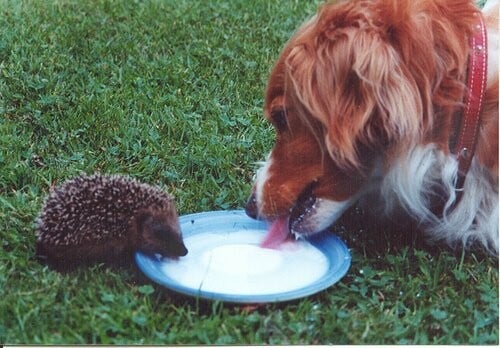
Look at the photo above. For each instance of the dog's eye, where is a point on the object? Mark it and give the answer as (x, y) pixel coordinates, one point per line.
(278, 117)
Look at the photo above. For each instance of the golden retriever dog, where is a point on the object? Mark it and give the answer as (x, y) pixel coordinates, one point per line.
(369, 99)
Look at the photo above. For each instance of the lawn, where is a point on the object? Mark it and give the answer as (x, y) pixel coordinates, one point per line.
(171, 92)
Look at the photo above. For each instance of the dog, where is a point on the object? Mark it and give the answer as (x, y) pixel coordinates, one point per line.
(367, 100)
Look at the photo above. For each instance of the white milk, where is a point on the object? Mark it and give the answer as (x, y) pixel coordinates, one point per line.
(234, 264)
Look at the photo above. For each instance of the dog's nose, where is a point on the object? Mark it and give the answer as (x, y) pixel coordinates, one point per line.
(251, 207)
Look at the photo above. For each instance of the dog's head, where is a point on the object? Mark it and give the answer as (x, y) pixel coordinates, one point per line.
(349, 91)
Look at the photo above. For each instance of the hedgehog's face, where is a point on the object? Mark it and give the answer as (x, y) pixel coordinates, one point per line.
(160, 234)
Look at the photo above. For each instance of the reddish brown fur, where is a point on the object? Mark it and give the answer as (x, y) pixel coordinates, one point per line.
(365, 81)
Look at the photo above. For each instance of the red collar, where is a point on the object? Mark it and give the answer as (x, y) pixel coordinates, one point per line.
(474, 99)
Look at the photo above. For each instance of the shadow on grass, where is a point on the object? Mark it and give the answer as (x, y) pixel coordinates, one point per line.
(374, 235)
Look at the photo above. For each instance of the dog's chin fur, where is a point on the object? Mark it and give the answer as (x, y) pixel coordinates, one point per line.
(321, 215)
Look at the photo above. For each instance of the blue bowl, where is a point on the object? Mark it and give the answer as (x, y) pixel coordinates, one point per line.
(229, 223)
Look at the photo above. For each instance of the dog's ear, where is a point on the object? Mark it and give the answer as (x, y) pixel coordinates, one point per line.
(390, 100)
(355, 82)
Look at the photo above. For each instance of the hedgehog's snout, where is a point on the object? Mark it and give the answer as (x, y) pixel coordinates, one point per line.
(161, 235)
(179, 248)
(174, 245)
(168, 242)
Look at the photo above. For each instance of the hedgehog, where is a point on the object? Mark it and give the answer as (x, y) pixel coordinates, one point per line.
(105, 219)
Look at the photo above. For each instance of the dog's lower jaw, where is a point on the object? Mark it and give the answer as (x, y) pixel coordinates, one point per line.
(315, 215)
(310, 215)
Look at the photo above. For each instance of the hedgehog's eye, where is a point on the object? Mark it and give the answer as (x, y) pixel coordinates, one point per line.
(278, 118)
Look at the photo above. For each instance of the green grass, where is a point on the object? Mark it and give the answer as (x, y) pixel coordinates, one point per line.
(171, 92)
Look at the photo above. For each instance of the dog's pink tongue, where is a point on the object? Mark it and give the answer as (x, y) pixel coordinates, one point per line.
(277, 234)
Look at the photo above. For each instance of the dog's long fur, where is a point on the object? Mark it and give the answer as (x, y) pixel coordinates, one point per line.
(367, 94)
(412, 183)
